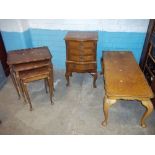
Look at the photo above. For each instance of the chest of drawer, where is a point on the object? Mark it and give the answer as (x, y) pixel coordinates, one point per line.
(81, 44)
(79, 52)
(82, 67)
(82, 58)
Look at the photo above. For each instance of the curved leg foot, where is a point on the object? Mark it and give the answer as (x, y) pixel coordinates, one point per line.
(94, 81)
(106, 104)
(67, 78)
(149, 106)
(105, 109)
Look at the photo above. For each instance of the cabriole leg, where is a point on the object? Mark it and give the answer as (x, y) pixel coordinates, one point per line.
(149, 109)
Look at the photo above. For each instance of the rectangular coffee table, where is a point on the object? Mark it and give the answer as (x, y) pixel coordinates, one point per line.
(124, 80)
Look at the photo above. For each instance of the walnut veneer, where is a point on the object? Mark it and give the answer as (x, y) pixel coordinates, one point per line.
(27, 65)
(124, 80)
(81, 49)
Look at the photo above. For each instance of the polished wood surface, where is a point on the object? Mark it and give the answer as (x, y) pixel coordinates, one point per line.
(81, 35)
(28, 55)
(124, 77)
(124, 80)
(30, 65)
(27, 66)
(40, 73)
(81, 49)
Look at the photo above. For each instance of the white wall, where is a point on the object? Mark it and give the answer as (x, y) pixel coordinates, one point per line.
(110, 25)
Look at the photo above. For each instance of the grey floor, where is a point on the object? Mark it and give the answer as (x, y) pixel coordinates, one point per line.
(77, 110)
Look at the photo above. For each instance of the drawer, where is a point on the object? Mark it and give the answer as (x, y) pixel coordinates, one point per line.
(81, 44)
(82, 58)
(82, 67)
(77, 52)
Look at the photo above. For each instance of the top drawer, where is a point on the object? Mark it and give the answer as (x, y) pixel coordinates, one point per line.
(81, 44)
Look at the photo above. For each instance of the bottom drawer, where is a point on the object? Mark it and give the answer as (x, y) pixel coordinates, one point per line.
(82, 67)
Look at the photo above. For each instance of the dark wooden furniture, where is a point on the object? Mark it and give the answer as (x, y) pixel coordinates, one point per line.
(81, 53)
(3, 56)
(147, 61)
(2, 76)
(125, 80)
(25, 66)
(40, 73)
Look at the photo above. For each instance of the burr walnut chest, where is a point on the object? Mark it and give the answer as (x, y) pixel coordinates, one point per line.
(81, 47)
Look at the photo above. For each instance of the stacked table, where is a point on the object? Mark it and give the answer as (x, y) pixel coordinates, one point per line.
(33, 61)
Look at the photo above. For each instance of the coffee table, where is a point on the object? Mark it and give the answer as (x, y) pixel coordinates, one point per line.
(124, 80)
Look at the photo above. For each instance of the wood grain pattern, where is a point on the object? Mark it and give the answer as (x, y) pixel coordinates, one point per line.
(124, 80)
(124, 77)
(81, 49)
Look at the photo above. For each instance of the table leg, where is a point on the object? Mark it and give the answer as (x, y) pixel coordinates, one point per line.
(27, 95)
(45, 82)
(50, 89)
(14, 82)
(52, 76)
(149, 109)
(67, 78)
(106, 104)
(101, 62)
(22, 89)
(95, 78)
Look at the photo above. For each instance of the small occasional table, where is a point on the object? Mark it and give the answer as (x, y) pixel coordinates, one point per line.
(124, 80)
(26, 59)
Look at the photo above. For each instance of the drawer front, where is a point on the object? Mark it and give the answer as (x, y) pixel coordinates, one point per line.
(78, 52)
(82, 58)
(82, 67)
(81, 44)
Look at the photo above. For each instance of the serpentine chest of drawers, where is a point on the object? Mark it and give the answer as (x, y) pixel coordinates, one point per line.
(81, 49)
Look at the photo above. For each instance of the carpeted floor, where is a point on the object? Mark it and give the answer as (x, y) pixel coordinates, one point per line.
(77, 110)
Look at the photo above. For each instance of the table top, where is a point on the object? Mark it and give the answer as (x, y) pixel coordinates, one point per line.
(28, 55)
(82, 35)
(123, 76)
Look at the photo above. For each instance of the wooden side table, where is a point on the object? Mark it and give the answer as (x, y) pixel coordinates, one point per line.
(81, 50)
(27, 59)
(124, 80)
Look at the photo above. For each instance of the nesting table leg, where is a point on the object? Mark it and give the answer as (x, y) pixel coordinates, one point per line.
(14, 83)
(23, 92)
(27, 95)
(46, 83)
(50, 89)
(149, 109)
